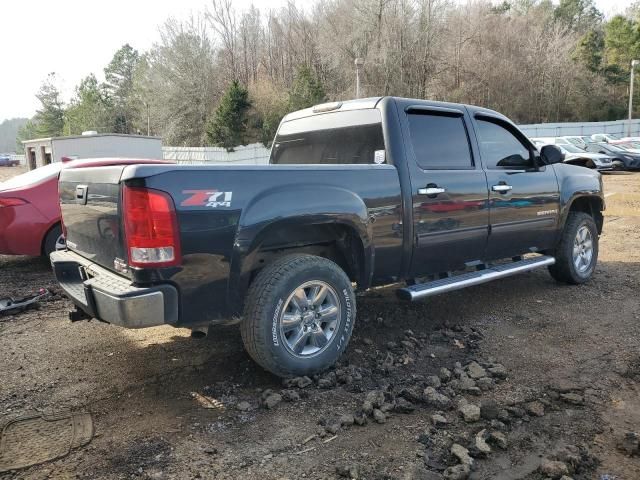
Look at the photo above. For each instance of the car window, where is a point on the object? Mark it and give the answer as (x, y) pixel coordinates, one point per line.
(349, 137)
(500, 148)
(33, 177)
(439, 141)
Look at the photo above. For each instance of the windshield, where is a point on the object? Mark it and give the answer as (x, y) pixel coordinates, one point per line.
(572, 149)
(32, 177)
(613, 148)
(348, 137)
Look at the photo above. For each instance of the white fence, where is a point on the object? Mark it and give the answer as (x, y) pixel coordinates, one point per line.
(21, 158)
(254, 154)
(623, 128)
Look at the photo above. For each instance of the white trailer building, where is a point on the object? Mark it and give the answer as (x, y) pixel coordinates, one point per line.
(43, 151)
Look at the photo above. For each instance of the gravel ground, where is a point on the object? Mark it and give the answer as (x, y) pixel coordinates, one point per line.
(554, 368)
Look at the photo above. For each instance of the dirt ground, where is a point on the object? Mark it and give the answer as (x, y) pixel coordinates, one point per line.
(571, 357)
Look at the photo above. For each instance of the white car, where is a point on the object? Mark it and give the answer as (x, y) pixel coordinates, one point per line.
(579, 141)
(576, 156)
(612, 138)
(632, 146)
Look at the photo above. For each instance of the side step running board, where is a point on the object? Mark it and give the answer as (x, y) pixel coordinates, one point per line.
(415, 292)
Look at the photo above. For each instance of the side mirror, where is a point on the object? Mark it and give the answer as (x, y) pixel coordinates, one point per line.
(551, 154)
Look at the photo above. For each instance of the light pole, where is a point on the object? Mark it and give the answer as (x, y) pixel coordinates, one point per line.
(359, 62)
(634, 63)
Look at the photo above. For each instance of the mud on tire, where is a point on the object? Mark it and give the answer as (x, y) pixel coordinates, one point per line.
(277, 317)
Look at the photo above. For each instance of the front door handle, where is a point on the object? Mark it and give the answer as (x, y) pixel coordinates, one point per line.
(431, 190)
(501, 188)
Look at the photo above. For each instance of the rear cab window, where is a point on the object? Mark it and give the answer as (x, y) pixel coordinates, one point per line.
(352, 137)
(439, 141)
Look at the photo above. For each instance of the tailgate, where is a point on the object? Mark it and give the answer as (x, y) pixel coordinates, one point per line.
(90, 205)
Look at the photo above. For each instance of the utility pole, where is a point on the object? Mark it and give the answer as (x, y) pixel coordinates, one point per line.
(359, 62)
(633, 67)
(146, 104)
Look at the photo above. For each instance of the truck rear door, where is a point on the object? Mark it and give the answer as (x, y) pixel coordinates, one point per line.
(449, 190)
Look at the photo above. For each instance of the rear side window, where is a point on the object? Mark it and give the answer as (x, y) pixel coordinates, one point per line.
(439, 141)
(350, 137)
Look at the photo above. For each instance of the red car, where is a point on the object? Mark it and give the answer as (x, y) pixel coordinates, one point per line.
(29, 209)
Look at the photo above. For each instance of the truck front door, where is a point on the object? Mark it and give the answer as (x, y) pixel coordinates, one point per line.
(449, 190)
(524, 198)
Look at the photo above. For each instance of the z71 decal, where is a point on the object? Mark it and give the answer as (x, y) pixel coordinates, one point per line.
(206, 198)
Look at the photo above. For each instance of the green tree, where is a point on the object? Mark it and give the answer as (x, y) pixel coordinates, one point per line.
(28, 131)
(590, 50)
(306, 91)
(228, 126)
(622, 41)
(578, 15)
(88, 109)
(49, 118)
(119, 86)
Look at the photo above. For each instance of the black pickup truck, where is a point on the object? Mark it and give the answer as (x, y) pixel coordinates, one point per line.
(361, 193)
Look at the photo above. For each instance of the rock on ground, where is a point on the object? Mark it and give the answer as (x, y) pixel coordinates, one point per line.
(481, 443)
(462, 454)
(347, 471)
(435, 399)
(470, 412)
(535, 408)
(475, 371)
(457, 472)
(553, 468)
(272, 400)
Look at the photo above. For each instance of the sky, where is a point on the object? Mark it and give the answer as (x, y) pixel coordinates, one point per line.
(77, 37)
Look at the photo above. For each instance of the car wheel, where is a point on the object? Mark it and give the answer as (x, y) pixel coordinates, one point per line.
(54, 241)
(577, 253)
(299, 315)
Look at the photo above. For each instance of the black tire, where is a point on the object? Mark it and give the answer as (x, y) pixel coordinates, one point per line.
(51, 239)
(269, 298)
(565, 269)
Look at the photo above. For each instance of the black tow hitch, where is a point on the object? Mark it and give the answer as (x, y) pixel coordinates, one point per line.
(78, 314)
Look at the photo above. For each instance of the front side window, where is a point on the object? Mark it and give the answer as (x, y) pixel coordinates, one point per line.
(500, 149)
(349, 137)
(439, 141)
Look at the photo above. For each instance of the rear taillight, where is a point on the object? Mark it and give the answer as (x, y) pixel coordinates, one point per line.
(151, 228)
(12, 202)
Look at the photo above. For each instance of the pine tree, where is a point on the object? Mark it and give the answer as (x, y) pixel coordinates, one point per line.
(49, 119)
(306, 91)
(228, 126)
(119, 88)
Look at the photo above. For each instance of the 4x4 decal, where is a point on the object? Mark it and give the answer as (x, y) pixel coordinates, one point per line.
(206, 198)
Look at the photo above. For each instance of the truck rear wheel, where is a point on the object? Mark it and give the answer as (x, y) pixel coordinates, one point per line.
(577, 253)
(299, 315)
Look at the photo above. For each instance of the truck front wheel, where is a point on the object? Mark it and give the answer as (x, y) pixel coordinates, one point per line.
(577, 253)
(299, 315)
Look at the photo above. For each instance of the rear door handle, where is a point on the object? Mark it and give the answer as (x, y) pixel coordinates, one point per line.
(501, 188)
(431, 190)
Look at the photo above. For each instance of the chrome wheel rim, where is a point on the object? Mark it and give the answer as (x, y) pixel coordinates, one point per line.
(583, 249)
(309, 319)
(61, 243)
